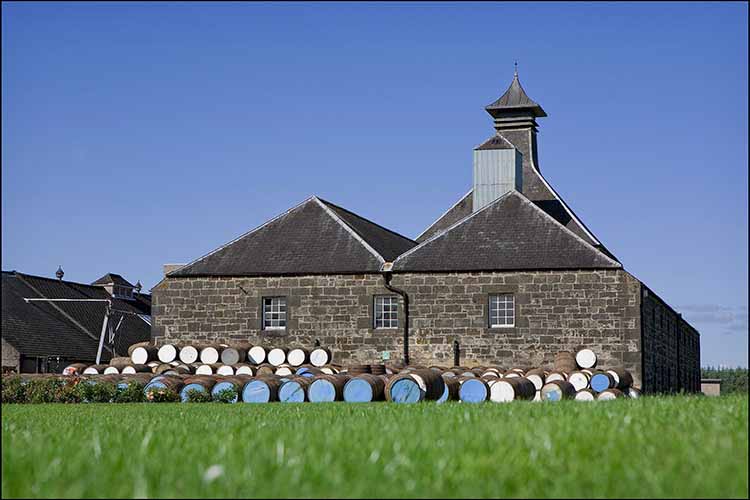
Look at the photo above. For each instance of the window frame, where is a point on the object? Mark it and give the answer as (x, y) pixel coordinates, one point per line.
(271, 298)
(512, 309)
(393, 310)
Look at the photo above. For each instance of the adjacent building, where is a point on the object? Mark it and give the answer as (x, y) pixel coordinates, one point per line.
(41, 336)
(509, 274)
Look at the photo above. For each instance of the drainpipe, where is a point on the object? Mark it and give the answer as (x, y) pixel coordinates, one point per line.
(387, 275)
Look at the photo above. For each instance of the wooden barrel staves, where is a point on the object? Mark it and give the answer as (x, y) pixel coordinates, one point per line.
(565, 362)
(633, 393)
(256, 355)
(277, 356)
(450, 390)
(261, 390)
(120, 362)
(200, 383)
(601, 381)
(511, 389)
(558, 390)
(536, 377)
(320, 356)
(623, 378)
(585, 395)
(580, 380)
(189, 354)
(136, 369)
(94, 369)
(74, 369)
(229, 384)
(430, 382)
(364, 388)
(473, 390)
(133, 347)
(167, 353)
(163, 383)
(586, 358)
(143, 354)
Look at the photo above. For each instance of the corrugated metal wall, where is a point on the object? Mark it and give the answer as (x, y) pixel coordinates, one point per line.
(496, 171)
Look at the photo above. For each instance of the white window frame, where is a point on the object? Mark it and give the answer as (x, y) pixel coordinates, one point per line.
(383, 301)
(502, 305)
(274, 304)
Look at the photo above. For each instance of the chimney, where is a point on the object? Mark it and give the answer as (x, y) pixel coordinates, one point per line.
(498, 168)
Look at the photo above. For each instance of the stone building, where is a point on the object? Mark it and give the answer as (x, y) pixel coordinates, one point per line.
(508, 272)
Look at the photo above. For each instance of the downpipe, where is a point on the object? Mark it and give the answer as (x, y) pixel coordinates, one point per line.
(387, 276)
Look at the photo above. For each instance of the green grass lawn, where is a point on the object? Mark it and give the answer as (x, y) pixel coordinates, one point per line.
(661, 447)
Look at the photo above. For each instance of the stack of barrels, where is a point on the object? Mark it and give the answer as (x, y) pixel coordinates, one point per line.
(247, 377)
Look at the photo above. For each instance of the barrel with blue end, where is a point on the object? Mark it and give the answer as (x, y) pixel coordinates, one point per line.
(327, 388)
(294, 390)
(601, 381)
(364, 388)
(163, 383)
(225, 385)
(404, 389)
(261, 390)
(473, 390)
(450, 392)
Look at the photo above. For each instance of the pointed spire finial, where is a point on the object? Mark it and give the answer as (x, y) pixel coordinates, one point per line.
(60, 273)
(138, 287)
(515, 69)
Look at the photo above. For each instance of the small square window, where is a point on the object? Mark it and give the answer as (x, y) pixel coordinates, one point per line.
(502, 311)
(386, 311)
(274, 313)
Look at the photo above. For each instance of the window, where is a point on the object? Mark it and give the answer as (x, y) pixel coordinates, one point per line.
(274, 313)
(386, 311)
(502, 310)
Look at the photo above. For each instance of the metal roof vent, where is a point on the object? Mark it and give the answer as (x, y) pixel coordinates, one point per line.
(60, 273)
(496, 171)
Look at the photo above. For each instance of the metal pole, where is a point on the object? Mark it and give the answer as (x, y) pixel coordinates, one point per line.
(104, 332)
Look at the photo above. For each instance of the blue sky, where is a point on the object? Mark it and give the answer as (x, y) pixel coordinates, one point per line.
(139, 134)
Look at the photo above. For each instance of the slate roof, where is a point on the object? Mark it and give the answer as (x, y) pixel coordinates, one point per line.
(495, 142)
(112, 278)
(68, 329)
(315, 237)
(511, 233)
(514, 99)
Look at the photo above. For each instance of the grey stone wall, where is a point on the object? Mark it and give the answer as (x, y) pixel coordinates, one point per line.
(671, 348)
(554, 311)
(10, 355)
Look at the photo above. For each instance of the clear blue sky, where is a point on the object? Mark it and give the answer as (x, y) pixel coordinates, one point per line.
(139, 134)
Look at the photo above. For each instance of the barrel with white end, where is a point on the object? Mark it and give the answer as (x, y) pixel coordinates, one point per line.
(209, 355)
(558, 390)
(167, 353)
(536, 377)
(189, 354)
(297, 357)
(586, 358)
(623, 378)
(609, 394)
(111, 370)
(511, 389)
(225, 370)
(143, 354)
(633, 393)
(320, 356)
(585, 395)
(277, 356)
(283, 370)
(256, 355)
(136, 369)
(579, 380)
(243, 369)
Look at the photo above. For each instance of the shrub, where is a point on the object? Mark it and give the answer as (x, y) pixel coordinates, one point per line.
(14, 390)
(96, 392)
(162, 395)
(225, 396)
(132, 393)
(196, 396)
(43, 390)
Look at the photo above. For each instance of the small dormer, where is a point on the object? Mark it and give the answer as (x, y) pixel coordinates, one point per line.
(116, 286)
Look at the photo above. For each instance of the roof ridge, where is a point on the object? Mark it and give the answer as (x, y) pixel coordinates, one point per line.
(445, 213)
(54, 280)
(248, 233)
(457, 223)
(349, 228)
(326, 202)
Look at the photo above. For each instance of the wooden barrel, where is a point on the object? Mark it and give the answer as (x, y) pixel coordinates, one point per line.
(182, 369)
(94, 369)
(448, 374)
(233, 354)
(430, 382)
(450, 390)
(579, 380)
(511, 389)
(552, 376)
(200, 383)
(283, 370)
(265, 370)
(601, 381)
(358, 369)
(633, 392)
(120, 362)
(311, 372)
(586, 358)
(364, 388)
(205, 370)
(163, 383)
(377, 369)
(320, 356)
(136, 369)
(143, 354)
(403, 388)
(565, 361)
(243, 369)
(585, 395)
(111, 370)
(189, 354)
(298, 357)
(261, 390)
(512, 374)
(164, 367)
(623, 378)
(294, 390)
(473, 390)
(225, 370)
(256, 355)
(609, 394)
(329, 370)
(234, 384)
(140, 378)
(277, 356)
(167, 353)
(537, 377)
(558, 390)
(209, 355)
(327, 388)
(137, 345)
